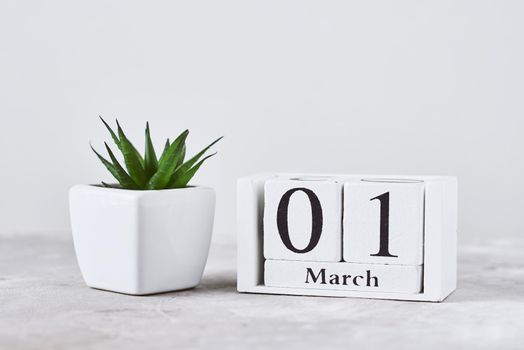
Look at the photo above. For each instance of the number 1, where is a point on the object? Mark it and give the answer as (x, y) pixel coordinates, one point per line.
(384, 226)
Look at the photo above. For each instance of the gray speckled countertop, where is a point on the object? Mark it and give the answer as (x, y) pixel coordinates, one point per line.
(44, 304)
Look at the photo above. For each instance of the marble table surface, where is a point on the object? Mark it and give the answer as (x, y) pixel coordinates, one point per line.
(44, 304)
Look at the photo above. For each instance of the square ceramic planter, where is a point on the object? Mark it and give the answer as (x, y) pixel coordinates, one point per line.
(141, 242)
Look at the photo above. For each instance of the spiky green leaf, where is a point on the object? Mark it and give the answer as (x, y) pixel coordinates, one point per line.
(119, 142)
(182, 157)
(181, 169)
(150, 160)
(118, 173)
(133, 161)
(175, 148)
(168, 163)
(182, 180)
(113, 135)
(129, 182)
(166, 147)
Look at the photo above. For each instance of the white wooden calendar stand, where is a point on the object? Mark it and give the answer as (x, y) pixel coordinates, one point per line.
(439, 250)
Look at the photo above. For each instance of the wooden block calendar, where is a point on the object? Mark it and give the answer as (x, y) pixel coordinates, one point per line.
(367, 236)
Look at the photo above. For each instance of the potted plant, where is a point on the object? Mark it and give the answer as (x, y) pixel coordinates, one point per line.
(151, 232)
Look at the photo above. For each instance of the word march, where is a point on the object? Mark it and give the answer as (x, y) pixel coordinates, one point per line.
(336, 279)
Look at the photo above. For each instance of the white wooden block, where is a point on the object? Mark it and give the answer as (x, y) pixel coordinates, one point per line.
(303, 219)
(343, 276)
(384, 221)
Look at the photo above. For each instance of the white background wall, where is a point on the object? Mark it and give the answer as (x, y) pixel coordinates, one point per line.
(414, 87)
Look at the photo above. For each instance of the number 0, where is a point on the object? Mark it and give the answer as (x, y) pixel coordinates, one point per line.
(316, 216)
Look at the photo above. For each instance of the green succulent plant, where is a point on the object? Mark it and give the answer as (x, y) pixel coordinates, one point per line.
(148, 172)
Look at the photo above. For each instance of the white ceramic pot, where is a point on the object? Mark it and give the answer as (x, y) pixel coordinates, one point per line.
(141, 242)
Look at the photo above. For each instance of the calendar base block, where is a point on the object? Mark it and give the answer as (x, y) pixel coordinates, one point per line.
(343, 276)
